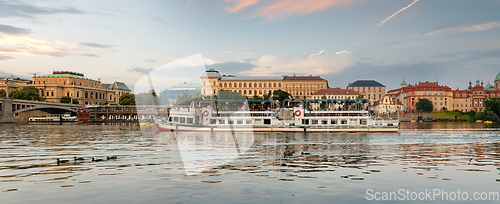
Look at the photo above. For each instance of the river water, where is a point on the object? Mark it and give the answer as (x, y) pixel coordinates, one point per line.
(164, 167)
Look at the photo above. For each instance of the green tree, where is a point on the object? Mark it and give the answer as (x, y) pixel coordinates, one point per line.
(65, 99)
(3, 93)
(281, 95)
(493, 104)
(230, 95)
(26, 93)
(322, 105)
(127, 99)
(184, 98)
(424, 105)
(255, 97)
(490, 115)
(148, 98)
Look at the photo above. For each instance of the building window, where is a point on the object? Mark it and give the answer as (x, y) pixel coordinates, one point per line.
(52, 93)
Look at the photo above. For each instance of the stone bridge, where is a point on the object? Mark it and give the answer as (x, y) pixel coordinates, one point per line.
(10, 108)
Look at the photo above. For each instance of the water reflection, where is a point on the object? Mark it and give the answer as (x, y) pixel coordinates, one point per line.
(266, 167)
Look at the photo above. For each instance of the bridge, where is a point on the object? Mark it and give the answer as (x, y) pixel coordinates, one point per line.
(12, 108)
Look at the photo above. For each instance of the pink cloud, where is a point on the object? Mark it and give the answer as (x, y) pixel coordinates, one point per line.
(285, 8)
(240, 4)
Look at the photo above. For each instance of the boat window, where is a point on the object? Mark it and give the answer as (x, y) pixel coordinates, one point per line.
(230, 122)
(182, 120)
(249, 122)
(213, 121)
(363, 122)
(314, 122)
(324, 122)
(222, 122)
(333, 122)
(267, 121)
(258, 122)
(343, 122)
(305, 122)
(239, 122)
(190, 120)
(176, 119)
(354, 122)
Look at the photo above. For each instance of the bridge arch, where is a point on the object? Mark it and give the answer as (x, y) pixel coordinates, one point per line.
(46, 108)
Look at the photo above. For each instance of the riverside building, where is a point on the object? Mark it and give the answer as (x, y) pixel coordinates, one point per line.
(298, 86)
(59, 84)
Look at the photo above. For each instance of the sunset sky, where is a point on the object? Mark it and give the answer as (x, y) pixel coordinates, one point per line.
(341, 40)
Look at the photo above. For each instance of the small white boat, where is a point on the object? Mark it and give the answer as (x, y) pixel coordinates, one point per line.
(66, 117)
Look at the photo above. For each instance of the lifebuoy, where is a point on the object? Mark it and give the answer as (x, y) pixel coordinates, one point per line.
(297, 113)
(205, 113)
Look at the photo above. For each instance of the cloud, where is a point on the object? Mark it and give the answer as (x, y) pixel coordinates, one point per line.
(385, 20)
(160, 20)
(392, 43)
(88, 55)
(318, 63)
(342, 52)
(22, 10)
(281, 9)
(11, 30)
(26, 45)
(453, 72)
(98, 46)
(240, 51)
(240, 4)
(209, 61)
(139, 69)
(461, 29)
(5, 57)
(149, 60)
(231, 67)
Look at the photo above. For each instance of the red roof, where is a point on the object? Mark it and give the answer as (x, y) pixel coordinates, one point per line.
(477, 88)
(336, 91)
(426, 86)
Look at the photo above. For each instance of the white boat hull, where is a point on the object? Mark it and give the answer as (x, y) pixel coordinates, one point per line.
(165, 126)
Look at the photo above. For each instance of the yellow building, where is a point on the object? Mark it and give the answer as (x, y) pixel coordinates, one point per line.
(301, 86)
(87, 91)
(13, 83)
(336, 93)
(387, 105)
(369, 89)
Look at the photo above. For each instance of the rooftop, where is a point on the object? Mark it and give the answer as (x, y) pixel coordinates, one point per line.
(361, 83)
(335, 91)
(250, 78)
(310, 77)
(118, 85)
(211, 73)
(70, 75)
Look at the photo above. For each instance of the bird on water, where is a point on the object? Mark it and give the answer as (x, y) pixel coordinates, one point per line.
(96, 160)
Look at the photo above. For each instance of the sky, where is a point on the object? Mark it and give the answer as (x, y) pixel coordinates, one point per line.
(340, 40)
